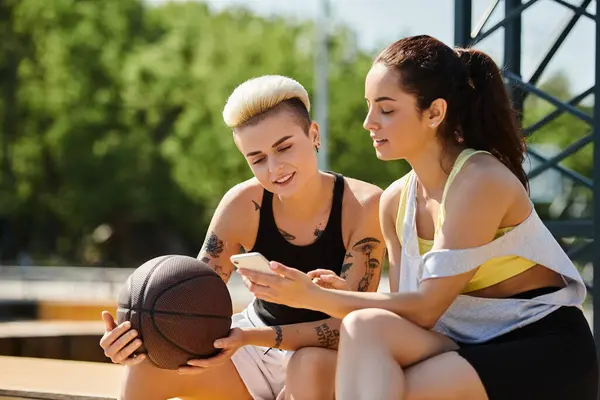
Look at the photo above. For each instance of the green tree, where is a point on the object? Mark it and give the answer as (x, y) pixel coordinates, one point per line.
(112, 117)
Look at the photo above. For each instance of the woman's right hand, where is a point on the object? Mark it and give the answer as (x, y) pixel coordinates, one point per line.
(120, 342)
(328, 279)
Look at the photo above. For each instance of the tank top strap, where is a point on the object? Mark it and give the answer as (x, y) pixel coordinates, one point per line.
(335, 217)
(458, 164)
(267, 225)
(402, 205)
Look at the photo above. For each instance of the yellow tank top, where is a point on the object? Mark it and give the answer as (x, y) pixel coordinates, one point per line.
(491, 272)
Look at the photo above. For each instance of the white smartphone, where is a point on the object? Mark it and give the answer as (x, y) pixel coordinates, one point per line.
(252, 261)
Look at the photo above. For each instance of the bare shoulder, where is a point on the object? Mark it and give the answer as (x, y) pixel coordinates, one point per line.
(485, 174)
(485, 186)
(243, 196)
(238, 211)
(390, 197)
(362, 193)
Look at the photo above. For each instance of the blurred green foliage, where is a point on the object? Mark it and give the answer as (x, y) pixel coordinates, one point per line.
(111, 122)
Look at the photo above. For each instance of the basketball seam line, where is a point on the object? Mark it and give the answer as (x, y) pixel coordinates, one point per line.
(159, 331)
(142, 293)
(174, 313)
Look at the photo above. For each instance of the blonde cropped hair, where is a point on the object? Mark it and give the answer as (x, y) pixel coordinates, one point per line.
(259, 95)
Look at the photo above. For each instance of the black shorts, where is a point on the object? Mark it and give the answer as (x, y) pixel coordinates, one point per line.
(551, 359)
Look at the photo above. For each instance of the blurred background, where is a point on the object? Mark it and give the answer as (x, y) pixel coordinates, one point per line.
(113, 149)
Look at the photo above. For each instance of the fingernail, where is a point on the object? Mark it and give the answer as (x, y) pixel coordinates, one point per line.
(218, 343)
(134, 332)
(127, 324)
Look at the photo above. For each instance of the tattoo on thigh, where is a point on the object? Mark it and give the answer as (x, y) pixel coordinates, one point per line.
(278, 336)
(367, 246)
(328, 338)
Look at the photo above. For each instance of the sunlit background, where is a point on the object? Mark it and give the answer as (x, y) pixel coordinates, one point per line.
(114, 150)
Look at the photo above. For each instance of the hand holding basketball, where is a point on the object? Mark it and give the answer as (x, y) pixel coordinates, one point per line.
(328, 279)
(120, 342)
(229, 345)
(288, 286)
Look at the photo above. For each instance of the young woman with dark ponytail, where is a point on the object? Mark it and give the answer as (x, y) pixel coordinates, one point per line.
(485, 304)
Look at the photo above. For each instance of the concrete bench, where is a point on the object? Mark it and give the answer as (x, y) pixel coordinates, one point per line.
(46, 379)
(33, 378)
(66, 340)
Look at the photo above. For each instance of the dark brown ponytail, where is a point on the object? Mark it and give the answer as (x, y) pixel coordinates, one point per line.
(479, 114)
(491, 123)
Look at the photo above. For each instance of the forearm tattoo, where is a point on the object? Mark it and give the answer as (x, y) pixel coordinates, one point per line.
(367, 246)
(328, 338)
(213, 246)
(278, 336)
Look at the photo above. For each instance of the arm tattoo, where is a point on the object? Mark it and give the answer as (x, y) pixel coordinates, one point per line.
(278, 336)
(318, 232)
(366, 246)
(219, 270)
(256, 206)
(346, 267)
(214, 246)
(328, 338)
(286, 236)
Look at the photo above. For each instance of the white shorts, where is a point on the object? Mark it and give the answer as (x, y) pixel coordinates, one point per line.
(263, 374)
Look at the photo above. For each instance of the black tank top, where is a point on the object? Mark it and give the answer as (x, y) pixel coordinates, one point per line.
(327, 252)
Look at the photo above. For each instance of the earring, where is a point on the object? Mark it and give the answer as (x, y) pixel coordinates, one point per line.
(316, 148)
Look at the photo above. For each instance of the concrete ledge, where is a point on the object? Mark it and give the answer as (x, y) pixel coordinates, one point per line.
(31, 378)
(63, 340)
(40, 379)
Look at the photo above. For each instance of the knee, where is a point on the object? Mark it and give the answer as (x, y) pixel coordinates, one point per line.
(366, 323)
(307, 365)
(311, 374)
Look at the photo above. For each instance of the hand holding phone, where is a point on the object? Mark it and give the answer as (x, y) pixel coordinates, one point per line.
(252, 261)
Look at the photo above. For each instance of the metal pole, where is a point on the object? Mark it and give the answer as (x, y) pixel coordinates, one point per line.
(512, 53)
(321, 80)
(462, 22)
(596, 176)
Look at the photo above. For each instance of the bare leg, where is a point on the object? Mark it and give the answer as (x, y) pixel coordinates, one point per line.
(311, 374)
(444, 377)
(147, 382)
(375, 345)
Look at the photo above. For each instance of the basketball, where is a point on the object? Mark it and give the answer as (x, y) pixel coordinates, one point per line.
(179, 306)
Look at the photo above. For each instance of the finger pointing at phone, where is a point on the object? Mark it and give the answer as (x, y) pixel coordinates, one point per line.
(282, 285)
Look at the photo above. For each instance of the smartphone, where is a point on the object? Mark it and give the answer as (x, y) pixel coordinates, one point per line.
(252, 261)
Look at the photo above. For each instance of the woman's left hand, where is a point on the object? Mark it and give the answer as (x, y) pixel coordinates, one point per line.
(287, 286)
